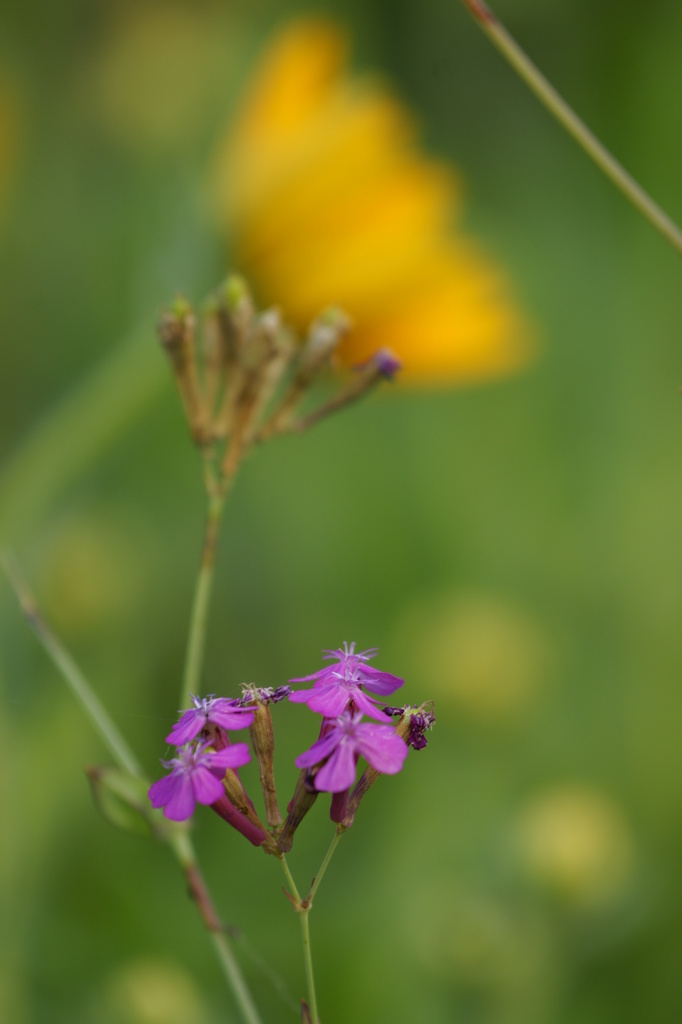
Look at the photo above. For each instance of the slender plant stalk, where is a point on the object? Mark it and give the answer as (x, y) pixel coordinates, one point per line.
(323, 867)
(577, 128)
(70, 671)
(290, 879)
(184, 851)
(303, 908)
(178, 839)
(308, 961)
(217, 491)
(196, 642)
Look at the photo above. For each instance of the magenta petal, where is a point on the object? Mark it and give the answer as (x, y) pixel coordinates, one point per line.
(300, 696)
(231, 718)
(381, 747)
(224, 704)
(181, 804)
(161, 792)
(339, 771)
(331, 701)
(187, 728)
(233, 756)
(307, 679)
(367, 706)
(320, 750)
(379, 682)
(207, 789)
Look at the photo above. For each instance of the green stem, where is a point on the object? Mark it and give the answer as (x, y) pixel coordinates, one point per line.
(577, 128)
(196, 641)
(70, 671)
(290, 879)
(302, 908)
(178, 840)
(308, 961)
(323, 867)
(184, 851)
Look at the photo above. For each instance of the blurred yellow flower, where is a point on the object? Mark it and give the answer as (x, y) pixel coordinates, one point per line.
(484, 654)
(328, 200)
(151, 992)
(577, 842)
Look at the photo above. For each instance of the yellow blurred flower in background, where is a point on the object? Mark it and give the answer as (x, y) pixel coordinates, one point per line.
(482, 653)
(327, 199)
(149, 991)
(576, 842)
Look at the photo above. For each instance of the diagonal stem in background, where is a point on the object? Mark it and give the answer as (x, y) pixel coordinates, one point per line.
(70, 672)
(182, 846)
(577, 128)
(177, 838)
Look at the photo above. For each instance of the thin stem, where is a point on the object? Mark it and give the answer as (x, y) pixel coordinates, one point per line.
(196, 641)
(70, 671)
(290, 879)
(235, 978)
(178, 840)
(323, 867)
(577, 128)
(184, 851)
(302, 908)
(264, 967)
(308, 961)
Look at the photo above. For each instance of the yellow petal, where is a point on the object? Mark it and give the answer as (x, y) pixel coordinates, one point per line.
(330, 201)
(292, 83)
(457, 323)
(367, 247)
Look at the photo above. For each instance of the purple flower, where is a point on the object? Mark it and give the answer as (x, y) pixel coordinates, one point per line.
(196, 775)
(337, 685)
(347, 739)
(385, 363)
(220, 711)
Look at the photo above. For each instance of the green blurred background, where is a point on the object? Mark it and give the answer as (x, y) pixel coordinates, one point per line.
(514, 550)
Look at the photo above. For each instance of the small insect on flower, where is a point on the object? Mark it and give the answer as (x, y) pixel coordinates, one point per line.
(196, 777)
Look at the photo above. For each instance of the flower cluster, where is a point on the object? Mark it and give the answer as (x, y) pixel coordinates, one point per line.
(343, 692)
